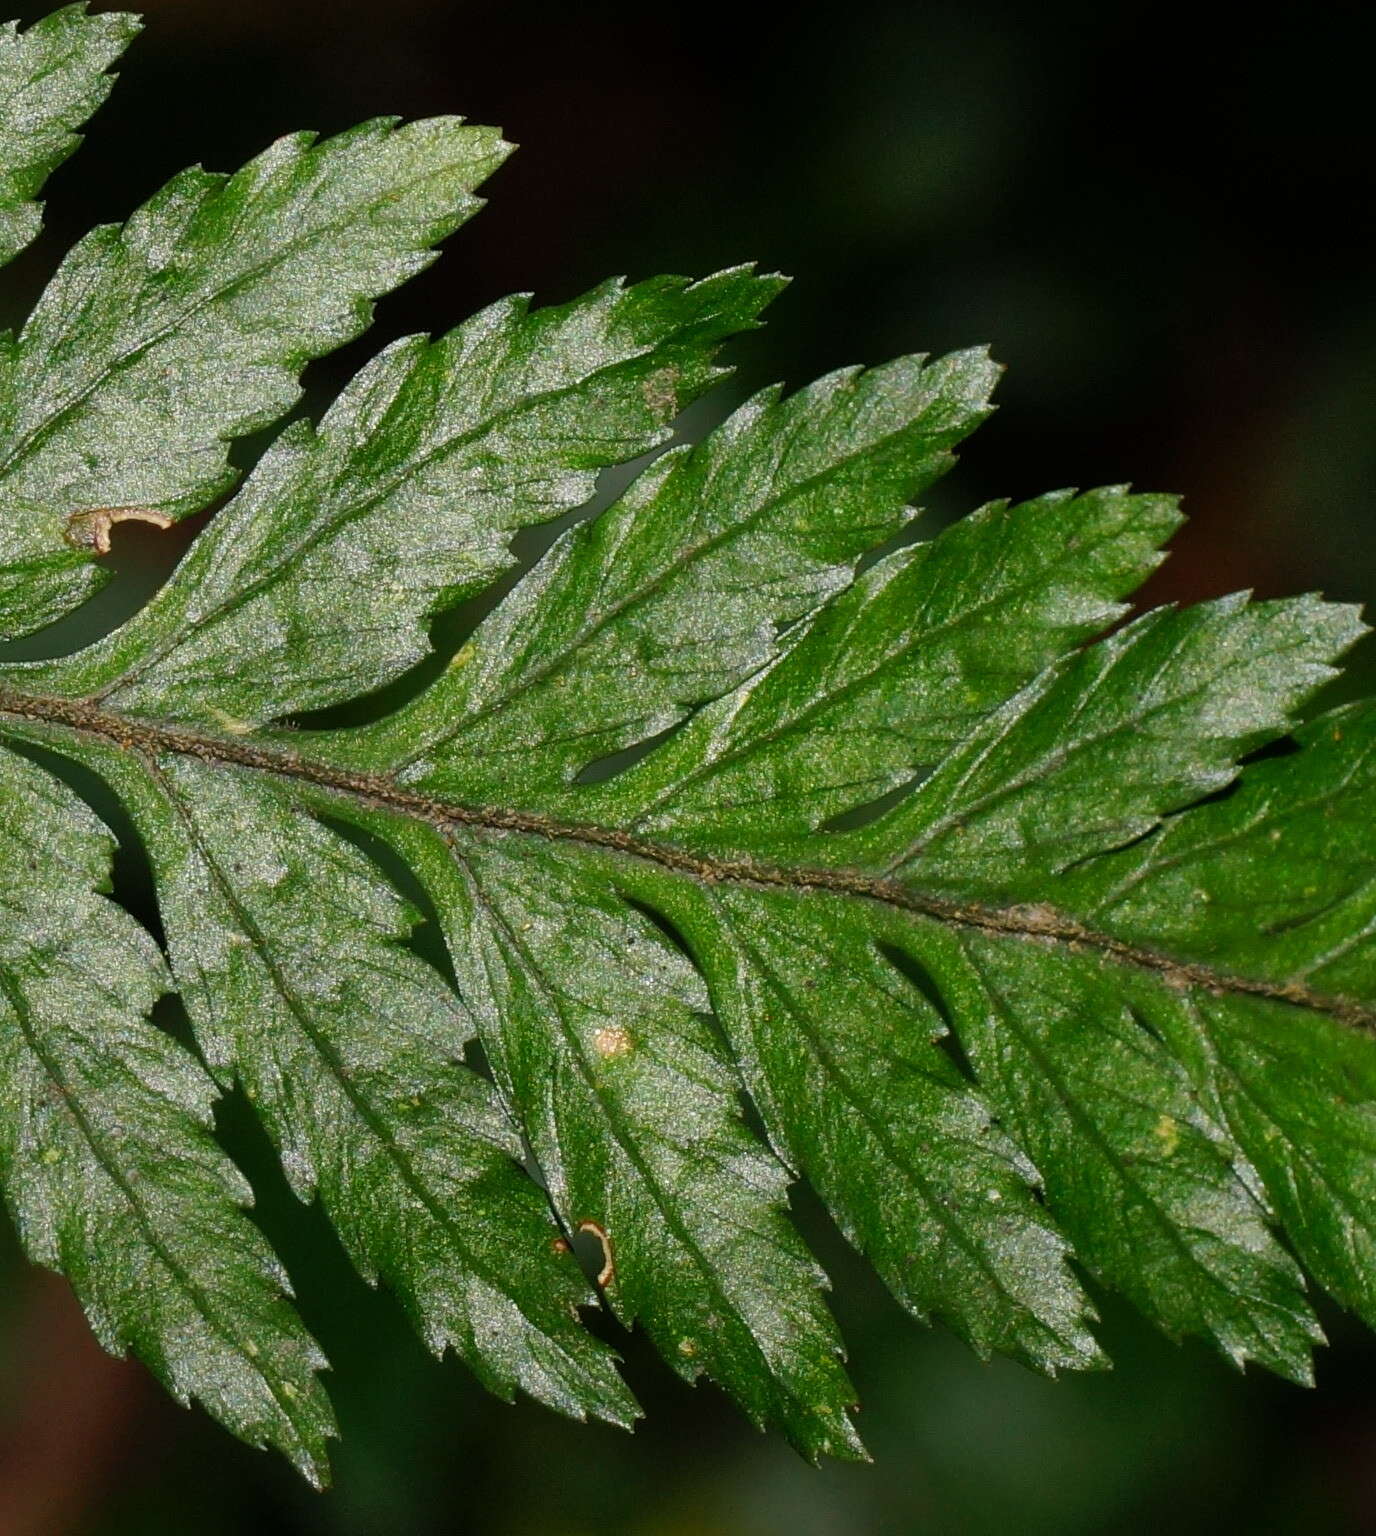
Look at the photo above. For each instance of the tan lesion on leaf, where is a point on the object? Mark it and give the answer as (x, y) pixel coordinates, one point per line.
(660, 390)
(611, 1041)
(230, 724)
(1167, 1130)
(607, 1273)
(91, 529)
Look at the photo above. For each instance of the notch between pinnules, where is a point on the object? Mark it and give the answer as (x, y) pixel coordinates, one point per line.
(925, 985)
(600, 769)
(131, 872)
(857, 816)
(427, 935)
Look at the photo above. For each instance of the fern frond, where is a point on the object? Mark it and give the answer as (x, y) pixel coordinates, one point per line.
(766, 841)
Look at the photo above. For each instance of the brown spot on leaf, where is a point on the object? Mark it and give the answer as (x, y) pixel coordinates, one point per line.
(661, 393)
(91, 530)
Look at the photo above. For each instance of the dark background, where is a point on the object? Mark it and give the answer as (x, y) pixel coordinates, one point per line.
(1158, 222)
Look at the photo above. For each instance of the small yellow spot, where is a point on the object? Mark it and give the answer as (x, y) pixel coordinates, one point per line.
(251, 1349)
(52, 1155)
(462, 657)
(612, 1041)
(229, 724)
(1169, 1132)
(687, 1347)
(288, 1390)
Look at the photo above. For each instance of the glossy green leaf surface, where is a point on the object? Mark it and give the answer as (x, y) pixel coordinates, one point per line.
(158, 341)
(105, 1147)
(767, 839)
(52, 78)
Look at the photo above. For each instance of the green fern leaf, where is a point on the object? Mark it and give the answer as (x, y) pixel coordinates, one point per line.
(159, 341)
(767, 841)
(52, 78)
(105, 1146)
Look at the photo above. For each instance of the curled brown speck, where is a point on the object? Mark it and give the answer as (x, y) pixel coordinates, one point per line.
(91, 530)
(607, 1273)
